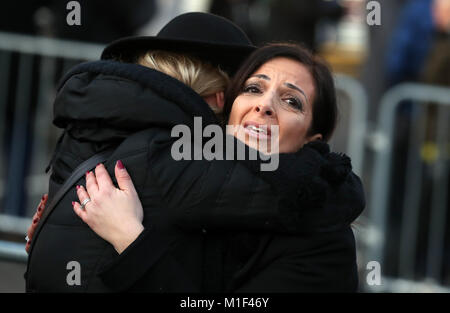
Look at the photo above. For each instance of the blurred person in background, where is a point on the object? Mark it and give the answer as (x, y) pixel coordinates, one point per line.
(421, 24)
(238, 11)
(373, 75)
(419, 52)
(21, 17)
(437, 72)
(101, 22)
(437, 64)
(297, 20)
(281, 20)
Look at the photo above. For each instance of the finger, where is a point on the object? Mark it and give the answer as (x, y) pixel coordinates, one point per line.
(42, 204)
(35, 221)
(82, 195)
(103, 179)
(123, 178)
(32, 227)
(79, 211)
(91, 183)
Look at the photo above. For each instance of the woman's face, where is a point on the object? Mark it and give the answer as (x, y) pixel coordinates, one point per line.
(281, 93)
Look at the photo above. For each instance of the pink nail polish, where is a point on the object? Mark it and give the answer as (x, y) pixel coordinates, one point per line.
(120, 165)
(73, 203)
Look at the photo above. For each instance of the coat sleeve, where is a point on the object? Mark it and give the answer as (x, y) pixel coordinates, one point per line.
(124, 271)
(215, 195)
(318, 262)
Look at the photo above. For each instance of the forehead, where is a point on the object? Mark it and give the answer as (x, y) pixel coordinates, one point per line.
(284, 69)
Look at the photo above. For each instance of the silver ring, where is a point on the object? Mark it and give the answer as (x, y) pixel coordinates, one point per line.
(26, 238)
(85, 201)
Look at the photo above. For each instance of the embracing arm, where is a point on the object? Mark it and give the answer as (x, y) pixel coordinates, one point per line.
(237, 195)
(231, 195)
(211, 195)
(186, 196)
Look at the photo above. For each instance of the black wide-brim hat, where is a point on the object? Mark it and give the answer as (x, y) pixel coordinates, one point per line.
(207, 36)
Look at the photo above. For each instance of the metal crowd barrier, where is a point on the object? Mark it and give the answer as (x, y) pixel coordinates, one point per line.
(36, 61)
(12, 251)
(379, 198)
(357, 126)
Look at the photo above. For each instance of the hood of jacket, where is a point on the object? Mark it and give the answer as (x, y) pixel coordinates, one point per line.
(105, 100)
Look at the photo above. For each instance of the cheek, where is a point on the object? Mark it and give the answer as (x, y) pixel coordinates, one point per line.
(237, 112)
(293, 129)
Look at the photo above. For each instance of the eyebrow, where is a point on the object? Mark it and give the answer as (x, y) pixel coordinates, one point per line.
(289, 85)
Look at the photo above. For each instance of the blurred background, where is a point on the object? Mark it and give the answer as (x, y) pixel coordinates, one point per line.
(392, 70)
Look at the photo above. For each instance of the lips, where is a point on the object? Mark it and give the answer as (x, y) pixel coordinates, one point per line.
(257, 130)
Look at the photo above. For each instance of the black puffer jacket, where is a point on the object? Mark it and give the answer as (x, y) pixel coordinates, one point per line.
(106, 104)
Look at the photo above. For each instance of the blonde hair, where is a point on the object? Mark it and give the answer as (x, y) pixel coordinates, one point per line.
(204, 78)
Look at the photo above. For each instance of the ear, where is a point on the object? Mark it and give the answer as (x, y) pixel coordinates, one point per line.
(313, 138)
(220, 100)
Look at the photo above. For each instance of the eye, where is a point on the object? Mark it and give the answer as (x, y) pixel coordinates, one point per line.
(252, 88)
(294, 102)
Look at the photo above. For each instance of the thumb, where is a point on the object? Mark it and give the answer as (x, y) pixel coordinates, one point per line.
(123, 178)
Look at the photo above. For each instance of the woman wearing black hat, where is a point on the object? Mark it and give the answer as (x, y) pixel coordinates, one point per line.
(199, 253)
(107, 104)
(280, 85)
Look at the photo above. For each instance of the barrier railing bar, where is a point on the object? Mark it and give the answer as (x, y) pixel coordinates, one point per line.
(411, 204)
(389, 284)
(43, 125)
(358, 118)
(50, 47)
(5, 60)
(19, 134)
(14, 225)
(12, 251)
(439, 199)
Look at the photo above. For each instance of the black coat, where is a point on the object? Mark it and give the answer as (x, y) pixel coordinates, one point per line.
(190, 207)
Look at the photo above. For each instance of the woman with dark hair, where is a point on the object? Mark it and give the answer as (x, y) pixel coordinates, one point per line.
(316, 195)
(324, 108)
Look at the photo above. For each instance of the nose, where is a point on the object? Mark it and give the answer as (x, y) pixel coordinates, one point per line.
(264, 107)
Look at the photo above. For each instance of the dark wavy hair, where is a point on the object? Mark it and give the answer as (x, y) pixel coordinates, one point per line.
(324, 107)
